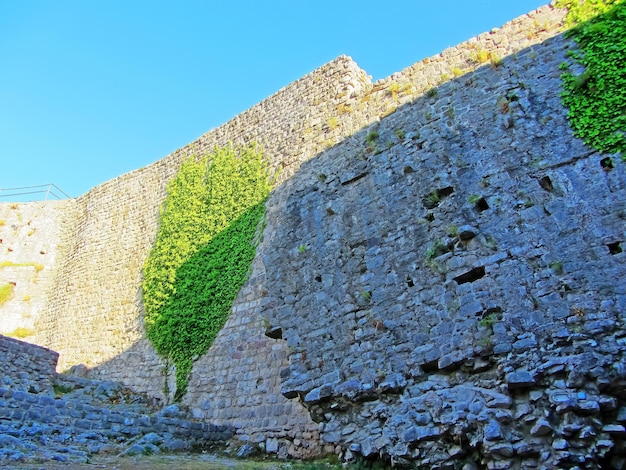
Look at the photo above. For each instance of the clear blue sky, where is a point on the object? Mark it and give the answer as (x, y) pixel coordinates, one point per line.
(92, 89)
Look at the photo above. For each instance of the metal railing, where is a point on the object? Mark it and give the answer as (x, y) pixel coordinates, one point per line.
(48, 190)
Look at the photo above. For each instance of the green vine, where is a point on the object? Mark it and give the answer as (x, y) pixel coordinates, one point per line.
(596, 97)
(203, 251)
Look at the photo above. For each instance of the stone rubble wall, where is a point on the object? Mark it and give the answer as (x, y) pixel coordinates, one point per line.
(227, 384)
(26, 366)
(45, 416)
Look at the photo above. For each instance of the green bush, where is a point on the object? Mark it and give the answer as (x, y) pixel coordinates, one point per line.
(203, 251)
(596, 98)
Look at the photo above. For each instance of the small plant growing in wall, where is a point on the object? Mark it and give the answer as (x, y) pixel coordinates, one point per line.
(20, 333)
(365, 296)
(432, 199)
(457, 72)
(488, 321)
(6, 292)
(557, 267)
(371, 141)
(400, 134)
(436, 249)
(394, 89)
(496, 61)
(480, 56)
(371, 137)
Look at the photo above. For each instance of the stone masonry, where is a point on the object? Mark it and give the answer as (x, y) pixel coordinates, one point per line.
(441, 273)
(452, 292)
(47, 417)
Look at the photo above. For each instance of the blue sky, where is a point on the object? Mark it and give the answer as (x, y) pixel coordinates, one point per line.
(92, 89)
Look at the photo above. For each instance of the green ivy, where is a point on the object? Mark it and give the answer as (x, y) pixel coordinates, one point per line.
(596, 97)
(203, 251)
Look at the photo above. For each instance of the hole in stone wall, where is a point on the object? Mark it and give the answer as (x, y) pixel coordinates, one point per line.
(354, 179)
(274, 332)
(432, 199)
(409, 281)
(318, 278)
(546, 183)
(481, 204)
(445, 192)
(430, 217)
(408, 169)
(615, 247)
(491, 310)
(471, 276)
(431, 366)
(606, 163)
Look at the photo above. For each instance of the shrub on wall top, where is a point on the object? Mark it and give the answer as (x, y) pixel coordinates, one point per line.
(203, 252)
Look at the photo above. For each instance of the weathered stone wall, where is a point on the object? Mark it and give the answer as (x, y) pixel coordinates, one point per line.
(26, 366)
(238, 380)
(45, 416)
(450, 282)
(464, 125)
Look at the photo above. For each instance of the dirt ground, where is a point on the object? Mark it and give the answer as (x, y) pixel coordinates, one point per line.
(176, 462)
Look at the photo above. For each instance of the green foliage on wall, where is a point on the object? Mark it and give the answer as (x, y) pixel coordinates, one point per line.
(596, 97)
(579, 11)
(203, 252)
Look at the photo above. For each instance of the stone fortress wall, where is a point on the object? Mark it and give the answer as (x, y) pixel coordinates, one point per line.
(93, 312)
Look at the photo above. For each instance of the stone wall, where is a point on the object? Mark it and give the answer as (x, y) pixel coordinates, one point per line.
(26, 366)
(449, 282)
(480, 122)
(45, 416)
(30, 246)
(238, 381)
